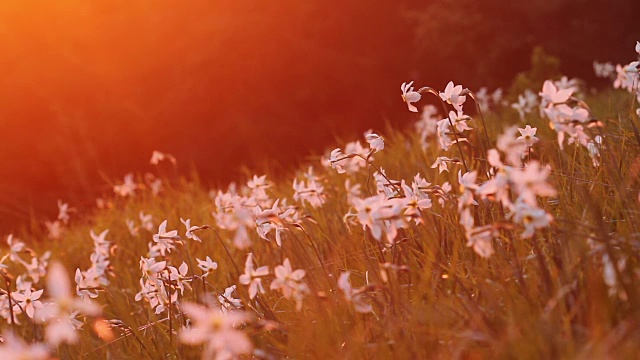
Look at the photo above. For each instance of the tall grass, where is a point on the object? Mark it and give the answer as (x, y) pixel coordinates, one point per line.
(431, 295)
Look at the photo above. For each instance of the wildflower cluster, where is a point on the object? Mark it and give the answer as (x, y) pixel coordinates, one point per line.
(458, 223)
(56, 228)
(626, 77)
(513, 187)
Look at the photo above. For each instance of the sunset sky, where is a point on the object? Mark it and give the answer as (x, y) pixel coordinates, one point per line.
(89, 89)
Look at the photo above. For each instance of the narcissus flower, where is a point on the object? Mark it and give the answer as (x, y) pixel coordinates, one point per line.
(217, 331)
(63, 212)
(15, 248)
(308, 191)
(14, 347)
(164, 238)
(354, 296)
(451, 95)
(531, 217)
(604, 70)
(468, 184)
(28, 301)
(290, 282)
(528, 135)
(207, 265)
(410, 96)
(190, 234)
(158, 156)
(146, 221)
(56, 312)
(479, 238)
(376, 143)
(253, 277)
(551, 95)
(441, 163)
(532, 182)
(227, 300)
(336, 159)
(55, 229)
(127, 188)
(459, 120)
(566, 83)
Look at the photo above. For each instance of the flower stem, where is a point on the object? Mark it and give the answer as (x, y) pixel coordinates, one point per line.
(453, 129)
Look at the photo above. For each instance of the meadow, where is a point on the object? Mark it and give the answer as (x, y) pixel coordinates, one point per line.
(508, 233)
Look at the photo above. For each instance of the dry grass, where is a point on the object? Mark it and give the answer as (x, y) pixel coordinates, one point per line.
(543, 297)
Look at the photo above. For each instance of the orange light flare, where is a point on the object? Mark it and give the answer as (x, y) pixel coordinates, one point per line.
(91, 87)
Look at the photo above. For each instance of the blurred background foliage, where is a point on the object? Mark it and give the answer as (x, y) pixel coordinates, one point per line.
(90, 89)
(543, 67)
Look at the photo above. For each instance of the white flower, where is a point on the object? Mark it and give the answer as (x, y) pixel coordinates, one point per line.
(566, 83)
(369, 212)
(520, 106)
(62, 304)
(228, 301)
(594, 150)
(414, 200)
(452, 96)
(133, 229)
(336, 160)
(85, 283)
(354, 296)
(127, 188)
(467, 183)
(164, 239)
(531, 217)
(37, 268)
(459, 120)
(55, 229)
(207, 265)
(409, 96)
(604, 70)
(627, 76)
(441, 164)
(552, 96)
(480, 238)
(252, 277)
(350, 161)
(14, 347)
(179, 276)
(218, 331)
(511, 146)
(311, 192)
(155, 186)
(100, 242)
(427, 126)
(15, 247)
(190, 234)
(445, 140)
(483, 98)
(496, 97)
(528, 135)
(376, 143)
(158, 156)
(27, 301)
(146, 221)
(150, 268)
(532, 182)
(290, 282)
(63, 212)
